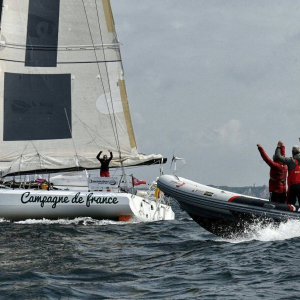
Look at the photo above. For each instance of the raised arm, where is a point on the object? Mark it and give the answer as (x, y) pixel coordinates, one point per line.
(98, 156)
(282, 150)
(278, 156)
(264, 155)
(281, 158)
(111, 155)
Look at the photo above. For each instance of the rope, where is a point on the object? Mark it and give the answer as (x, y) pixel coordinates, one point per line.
(114, 130)
(104, 56)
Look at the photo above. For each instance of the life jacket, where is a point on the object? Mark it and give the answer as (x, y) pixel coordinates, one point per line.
(294, 175)
(279, 173)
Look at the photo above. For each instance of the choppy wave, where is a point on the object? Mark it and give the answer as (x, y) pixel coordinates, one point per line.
(91, 259)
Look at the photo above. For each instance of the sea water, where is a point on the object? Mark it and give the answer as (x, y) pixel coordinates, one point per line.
(91, 259)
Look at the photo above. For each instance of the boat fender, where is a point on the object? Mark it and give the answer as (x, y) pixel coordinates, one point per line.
(157, 193)
(44, 186)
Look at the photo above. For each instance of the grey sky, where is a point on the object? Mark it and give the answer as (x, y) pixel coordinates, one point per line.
(211, 79)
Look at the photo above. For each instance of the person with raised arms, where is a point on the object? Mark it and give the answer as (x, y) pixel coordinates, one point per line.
(293, 165)
(278, 173)
(104, 169)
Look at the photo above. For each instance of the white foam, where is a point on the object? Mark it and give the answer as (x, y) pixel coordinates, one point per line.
(288, 230)
(4, 220)
(87, 221)
(269, 233)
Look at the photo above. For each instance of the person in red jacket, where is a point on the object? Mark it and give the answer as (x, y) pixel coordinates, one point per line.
(278, 174)
(293, 165)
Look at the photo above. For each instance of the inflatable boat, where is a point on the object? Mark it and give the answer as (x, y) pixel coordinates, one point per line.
(224, 213)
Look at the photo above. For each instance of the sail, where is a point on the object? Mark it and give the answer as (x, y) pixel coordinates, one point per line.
(63, 96)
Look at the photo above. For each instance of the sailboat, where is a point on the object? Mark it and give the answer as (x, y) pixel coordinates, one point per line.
(63, 99)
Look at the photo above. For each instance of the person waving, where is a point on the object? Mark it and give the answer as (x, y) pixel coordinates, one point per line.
(278, 173)
(104, 169)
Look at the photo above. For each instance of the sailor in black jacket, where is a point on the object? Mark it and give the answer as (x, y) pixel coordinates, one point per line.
(104, 169)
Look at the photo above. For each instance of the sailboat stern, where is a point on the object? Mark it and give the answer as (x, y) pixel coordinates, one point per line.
(150, 210)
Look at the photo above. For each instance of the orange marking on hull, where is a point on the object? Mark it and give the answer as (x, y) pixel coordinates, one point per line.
(124, 218)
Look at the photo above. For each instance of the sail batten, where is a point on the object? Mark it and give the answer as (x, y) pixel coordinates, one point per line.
(64, 95)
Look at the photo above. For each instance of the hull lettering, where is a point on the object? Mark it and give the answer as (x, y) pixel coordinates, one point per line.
(77, 199)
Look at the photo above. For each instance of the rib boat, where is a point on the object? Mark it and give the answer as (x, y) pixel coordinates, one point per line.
(224, 213)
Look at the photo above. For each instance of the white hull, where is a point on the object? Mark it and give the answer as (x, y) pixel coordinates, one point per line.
(21, 204)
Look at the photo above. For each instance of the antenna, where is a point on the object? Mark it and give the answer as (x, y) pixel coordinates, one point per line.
(161, 169)
(175, 159)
